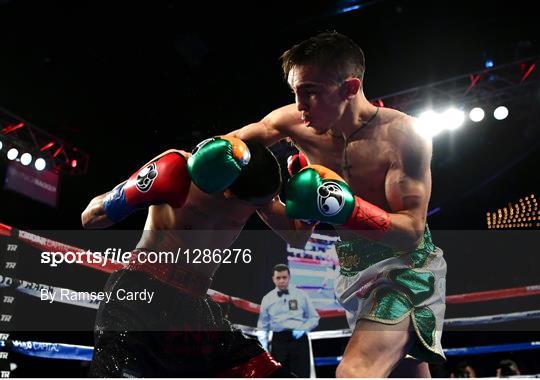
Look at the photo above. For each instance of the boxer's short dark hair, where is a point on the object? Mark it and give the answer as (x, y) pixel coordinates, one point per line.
(261, 177)
(332, 51)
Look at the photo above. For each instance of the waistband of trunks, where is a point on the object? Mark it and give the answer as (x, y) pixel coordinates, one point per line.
(174, 275)
(357, 254)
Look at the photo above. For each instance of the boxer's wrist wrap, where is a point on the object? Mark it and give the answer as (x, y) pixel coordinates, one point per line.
(367, 216)
(115, 204)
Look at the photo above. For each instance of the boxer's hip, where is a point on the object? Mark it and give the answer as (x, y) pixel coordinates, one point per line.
(176, 275)
(386, 286)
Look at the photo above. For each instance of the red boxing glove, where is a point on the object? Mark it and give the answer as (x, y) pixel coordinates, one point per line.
(164, 180)
(296, 162)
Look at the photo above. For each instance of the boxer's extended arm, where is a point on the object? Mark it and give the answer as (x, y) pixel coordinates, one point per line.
(407, 190)
(95, 215)
(274, 127)
(294, 232)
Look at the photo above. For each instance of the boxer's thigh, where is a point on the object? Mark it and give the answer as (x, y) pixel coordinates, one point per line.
(375, 349)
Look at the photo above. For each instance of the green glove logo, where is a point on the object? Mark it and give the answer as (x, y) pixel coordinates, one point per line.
(330, 198)
(201, 144)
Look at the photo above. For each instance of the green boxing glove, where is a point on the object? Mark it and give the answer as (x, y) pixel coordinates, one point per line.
(317, 193)
(217, 162)
(312, 195)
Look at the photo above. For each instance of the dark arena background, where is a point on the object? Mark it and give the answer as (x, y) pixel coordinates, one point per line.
(91, 90)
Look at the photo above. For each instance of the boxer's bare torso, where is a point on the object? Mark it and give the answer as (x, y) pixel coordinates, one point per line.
(213, 222)
(386, 163)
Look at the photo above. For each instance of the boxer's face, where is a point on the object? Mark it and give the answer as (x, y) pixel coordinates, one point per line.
(317, 96)
(281, 280)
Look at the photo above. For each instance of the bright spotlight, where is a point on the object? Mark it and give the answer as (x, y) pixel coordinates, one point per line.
(477, 114)
(429, 116)
(40, 164)
(12, 154)
(453, 118)
(429, 124)
(1, 145)
(500, 113)
(26, 158)
(488, 64)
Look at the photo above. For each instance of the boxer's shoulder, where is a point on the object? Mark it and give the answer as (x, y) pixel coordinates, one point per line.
(395, 120)
(401, 129)
(284, 118)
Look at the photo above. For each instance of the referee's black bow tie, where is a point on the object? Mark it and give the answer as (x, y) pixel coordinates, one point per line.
(282, 292)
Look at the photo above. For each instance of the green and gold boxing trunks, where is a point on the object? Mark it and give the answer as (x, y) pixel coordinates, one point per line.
(381, 284)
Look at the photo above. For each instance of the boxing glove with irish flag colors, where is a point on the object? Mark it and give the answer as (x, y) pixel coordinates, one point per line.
(217, 162)
(317, 193)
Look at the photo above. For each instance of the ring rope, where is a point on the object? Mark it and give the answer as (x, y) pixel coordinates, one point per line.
(490, 295)
(48, 244)
(49, 350)
(45, 244)
(34, 289)
(84, 353)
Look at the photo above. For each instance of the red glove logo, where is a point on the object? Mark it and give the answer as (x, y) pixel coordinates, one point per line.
(146, 177)
(330, 199)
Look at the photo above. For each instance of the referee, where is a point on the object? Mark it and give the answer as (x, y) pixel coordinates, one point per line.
(290, 314)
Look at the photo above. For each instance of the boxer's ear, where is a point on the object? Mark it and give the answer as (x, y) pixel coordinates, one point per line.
(351, 87)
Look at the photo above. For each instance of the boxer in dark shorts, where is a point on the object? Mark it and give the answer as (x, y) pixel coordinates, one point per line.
(182, 332)
(175, 335)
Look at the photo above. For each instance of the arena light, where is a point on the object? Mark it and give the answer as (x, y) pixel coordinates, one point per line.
(1, 144)
(520, 214)
(500, 113)
(453, 118)
(429, 124)
(348, 9)
(488, 64)
(12, 154)
(12, 128)
(477, 114)
(26, 159)
(40, 164)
